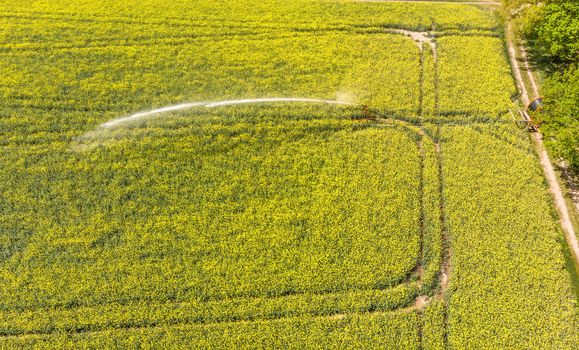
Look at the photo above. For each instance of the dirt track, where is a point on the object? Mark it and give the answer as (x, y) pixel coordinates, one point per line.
(550, 174)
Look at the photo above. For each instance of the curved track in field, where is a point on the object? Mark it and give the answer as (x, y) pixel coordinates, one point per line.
(423, 297)
(420, 299)
(420, 38)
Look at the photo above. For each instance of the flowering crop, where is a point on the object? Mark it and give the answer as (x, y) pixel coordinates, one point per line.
(270, 225)
(481, 85)
(216, 209)
(509, 286)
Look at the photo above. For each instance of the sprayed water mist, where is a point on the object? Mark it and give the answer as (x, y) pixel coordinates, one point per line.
(185, 106)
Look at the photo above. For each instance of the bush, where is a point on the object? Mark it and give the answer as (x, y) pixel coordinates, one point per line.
(562, 115)
(557, 31)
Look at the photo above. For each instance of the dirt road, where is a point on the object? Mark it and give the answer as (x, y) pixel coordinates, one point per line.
(550, 174)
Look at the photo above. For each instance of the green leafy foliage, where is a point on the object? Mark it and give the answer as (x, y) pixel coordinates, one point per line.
(552, 31)
(561, 126)
(556, 31)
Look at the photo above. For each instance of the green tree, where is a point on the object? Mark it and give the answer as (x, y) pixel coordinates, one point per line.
(557, 31)
(562, 123)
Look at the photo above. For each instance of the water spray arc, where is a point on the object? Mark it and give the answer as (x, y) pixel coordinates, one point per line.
(191, 105)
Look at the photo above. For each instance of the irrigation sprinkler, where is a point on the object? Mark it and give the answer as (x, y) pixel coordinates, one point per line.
(367, 115)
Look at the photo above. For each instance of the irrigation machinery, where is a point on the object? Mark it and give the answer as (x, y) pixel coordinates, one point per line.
(530, 117)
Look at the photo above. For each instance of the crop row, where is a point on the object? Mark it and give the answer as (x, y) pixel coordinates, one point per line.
(308, 14)
(404, 329)
(137, 314)
(397, 330)
(127, 79)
